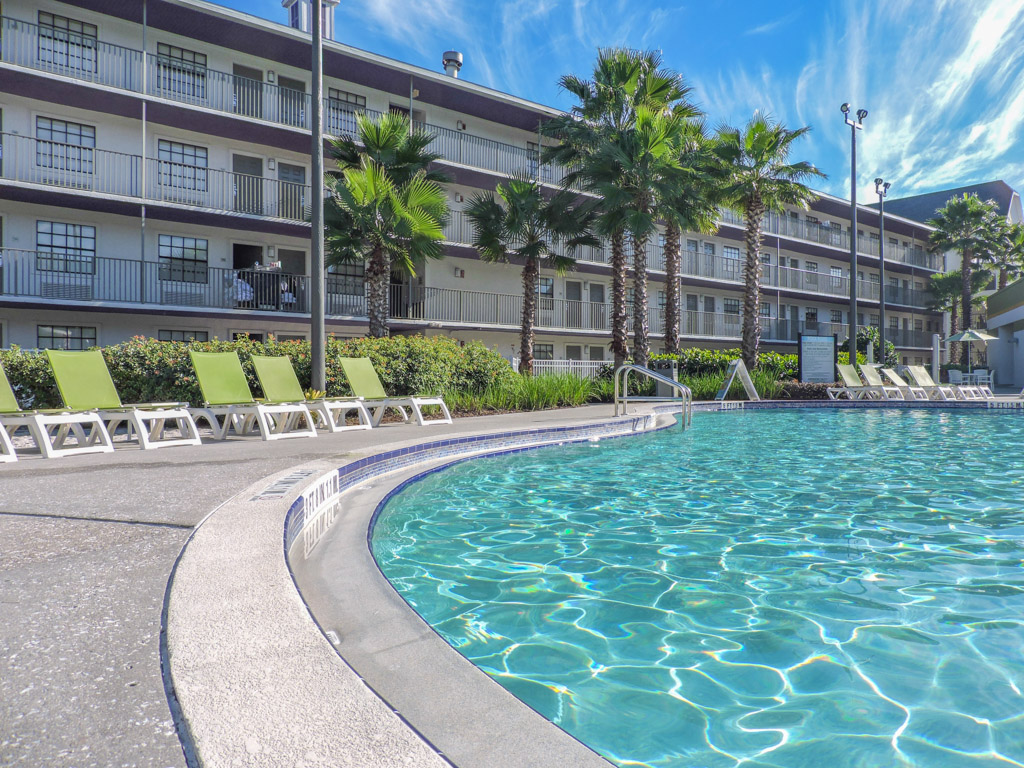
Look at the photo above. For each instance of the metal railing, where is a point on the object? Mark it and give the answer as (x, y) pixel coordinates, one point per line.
(69, 166)
(587, 369)
(69, 54)
(39, 161)
(623, 398)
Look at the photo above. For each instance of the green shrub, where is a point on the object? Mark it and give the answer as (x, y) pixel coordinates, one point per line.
(146, 370)
(524, 393)
(795, 390)
(697, 362)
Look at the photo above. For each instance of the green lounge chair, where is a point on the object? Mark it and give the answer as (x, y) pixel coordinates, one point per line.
(366, 385)
(876, 385)
(909, 390)
(280, 384)
(935, 391)
(226, 396)
(852, 387)
(49, 428)
(85, 385)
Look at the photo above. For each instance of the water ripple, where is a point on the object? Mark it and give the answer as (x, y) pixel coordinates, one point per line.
(787, 589)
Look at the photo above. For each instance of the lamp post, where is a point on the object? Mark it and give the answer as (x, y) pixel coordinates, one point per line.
(855, 125)
(881, 189)
(318, 350)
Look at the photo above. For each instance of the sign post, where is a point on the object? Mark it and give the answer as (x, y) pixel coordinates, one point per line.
(817, 358)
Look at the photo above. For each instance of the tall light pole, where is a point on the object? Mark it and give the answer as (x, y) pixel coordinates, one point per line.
(317, 331)
(881, 189)
(855, 125)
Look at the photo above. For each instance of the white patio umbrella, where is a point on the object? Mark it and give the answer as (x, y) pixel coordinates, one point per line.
(970, 336)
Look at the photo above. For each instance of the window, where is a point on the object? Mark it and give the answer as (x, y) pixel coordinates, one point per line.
(894, 323)
(918, 325)
(893, 241)
(182, 169)
(65, 146)
(811, 315)
(290, 336)
(250, 335)
(573, 352)
(766, 309)
(546, 292)
(709, 249)
(662, 300)
(181, 71)
(341, 109)
(65, 247)
(347, 279)
(728, 251)
(596, 352)
(874, 320)
(691, 245)
(182, 259)
(809, 266)
(731, 306)
(766, 258)
(182, 336)
(66, 43)
(836, 316)
(65, 337)
(543, 351)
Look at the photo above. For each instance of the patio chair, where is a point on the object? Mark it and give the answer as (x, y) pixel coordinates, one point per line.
(852, 387)
(226, 396)
(924, 380)
(49, 428)
(963, 387)
(85, 385)
(280, 384)
(983, 380)
(366, 384)
(915, 393)
(876, 384)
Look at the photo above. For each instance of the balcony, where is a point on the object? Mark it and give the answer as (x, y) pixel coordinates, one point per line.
(86, 169)
(834, 236)
(183, 284)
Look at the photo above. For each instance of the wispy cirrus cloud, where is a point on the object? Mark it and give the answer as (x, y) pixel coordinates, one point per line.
(771, 26)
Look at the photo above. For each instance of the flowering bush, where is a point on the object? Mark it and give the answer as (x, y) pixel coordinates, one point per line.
(146, 371)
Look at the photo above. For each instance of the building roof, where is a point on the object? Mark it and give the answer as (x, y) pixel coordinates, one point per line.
(923, 207)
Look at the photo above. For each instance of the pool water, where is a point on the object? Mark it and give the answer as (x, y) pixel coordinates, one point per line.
(793, 588)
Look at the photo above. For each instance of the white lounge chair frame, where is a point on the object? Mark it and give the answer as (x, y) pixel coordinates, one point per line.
(148, 423)
(273, 421)
(6, 446)
(924, 381)
(415, 406)
(915, 393)
(853, 391)
(50, 431)
(334, 413)
(877, 385)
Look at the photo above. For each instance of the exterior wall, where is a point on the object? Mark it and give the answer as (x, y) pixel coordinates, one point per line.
(794, 242)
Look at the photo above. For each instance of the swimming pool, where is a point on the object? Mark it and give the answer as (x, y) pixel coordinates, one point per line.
(784, 588)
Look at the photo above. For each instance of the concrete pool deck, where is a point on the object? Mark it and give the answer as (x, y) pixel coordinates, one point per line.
(89, 546)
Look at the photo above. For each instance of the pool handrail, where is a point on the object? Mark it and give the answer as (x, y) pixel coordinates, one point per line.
(621, 378)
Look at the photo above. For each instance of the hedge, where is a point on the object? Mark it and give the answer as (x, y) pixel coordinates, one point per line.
(145, 370)
(700, 362)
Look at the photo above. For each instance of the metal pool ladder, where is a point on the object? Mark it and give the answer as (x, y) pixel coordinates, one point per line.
(685, 396)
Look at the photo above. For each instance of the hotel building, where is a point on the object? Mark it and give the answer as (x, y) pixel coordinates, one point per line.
(154, 180)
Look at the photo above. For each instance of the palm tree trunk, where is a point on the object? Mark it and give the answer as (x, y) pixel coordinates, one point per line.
(641, 341)
(752, 284)
(531, 271)
(966, 294)
(378, 278)
(1003, 278)
(954, 326)
(620, 336)
(672, 289)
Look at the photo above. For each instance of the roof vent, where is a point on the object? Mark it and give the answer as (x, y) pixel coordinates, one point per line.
(452, 63)
(301, 18)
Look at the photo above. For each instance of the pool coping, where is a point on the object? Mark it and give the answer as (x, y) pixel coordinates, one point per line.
(288, 679)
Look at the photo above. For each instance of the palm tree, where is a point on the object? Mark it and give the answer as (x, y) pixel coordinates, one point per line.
(525, 225)
(945, 291)
(387, 207)
(1006, 250)
(964, 225)
(693, 207)
(760, 179)
(622, 80)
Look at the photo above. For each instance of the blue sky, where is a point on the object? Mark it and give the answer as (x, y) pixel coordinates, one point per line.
(943, 80)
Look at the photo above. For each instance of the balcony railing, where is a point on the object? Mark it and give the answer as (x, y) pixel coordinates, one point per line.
(180, 283)
(23, 158)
